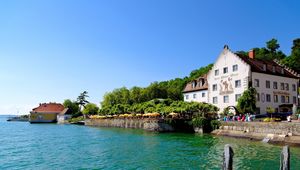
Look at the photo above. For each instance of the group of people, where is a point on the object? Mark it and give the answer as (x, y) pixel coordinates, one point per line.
(243, 118)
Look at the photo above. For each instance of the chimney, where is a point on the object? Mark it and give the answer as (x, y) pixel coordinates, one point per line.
(251, 54)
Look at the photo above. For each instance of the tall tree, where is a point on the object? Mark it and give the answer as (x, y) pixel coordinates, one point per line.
(81, 99)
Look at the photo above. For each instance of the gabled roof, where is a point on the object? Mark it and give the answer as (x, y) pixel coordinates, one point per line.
(49, 108)
(271, 67)
(197, 85)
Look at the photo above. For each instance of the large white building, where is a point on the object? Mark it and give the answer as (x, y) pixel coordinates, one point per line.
(232, 74)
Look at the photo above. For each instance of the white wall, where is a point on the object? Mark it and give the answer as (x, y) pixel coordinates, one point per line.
(227, 59)
(263, 90)
(198, 96)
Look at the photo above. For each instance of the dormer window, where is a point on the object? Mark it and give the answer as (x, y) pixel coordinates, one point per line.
(194, 84)
(264, 67)
(273, 69)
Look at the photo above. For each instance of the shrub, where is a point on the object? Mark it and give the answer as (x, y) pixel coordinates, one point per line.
(215, 124)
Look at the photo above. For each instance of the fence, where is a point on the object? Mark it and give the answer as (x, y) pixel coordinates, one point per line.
(228, 158)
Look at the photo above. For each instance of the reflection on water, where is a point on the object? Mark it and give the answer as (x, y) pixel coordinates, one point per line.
(50, 146)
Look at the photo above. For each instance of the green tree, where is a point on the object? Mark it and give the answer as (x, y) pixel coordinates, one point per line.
(293, 61)
(82, 101)
(272, 45)
(73, 107)
(247, 102)
(90, 109)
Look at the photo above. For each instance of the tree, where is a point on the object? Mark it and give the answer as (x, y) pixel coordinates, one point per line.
(272, 45)
(247, 102)
(293, 61)
(81, 99)
(90, 109)
(73, 107)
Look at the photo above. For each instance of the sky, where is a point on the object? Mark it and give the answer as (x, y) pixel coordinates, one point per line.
(53, 50)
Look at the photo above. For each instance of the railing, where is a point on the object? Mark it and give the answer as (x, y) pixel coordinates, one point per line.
(228, 158)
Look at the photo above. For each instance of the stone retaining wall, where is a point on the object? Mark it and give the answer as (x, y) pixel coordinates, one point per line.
(149, 124)
(277, 132)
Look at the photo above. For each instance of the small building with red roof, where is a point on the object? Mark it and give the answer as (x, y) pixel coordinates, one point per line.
(47, 113)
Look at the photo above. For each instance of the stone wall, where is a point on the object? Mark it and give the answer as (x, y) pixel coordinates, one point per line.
(277, 132)
(149, 124)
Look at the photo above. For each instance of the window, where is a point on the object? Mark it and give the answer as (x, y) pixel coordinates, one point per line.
(237, 96)
(282, 99)
(287, 99)
(226, 99)
(215, 87)
(186, 97)
(217, 72)
(276, 98)
(287, 86)
(235, 67)
(194, 84)
(282, 71)
(268, 97)
(281, 86)
(275, 85)
(203, 94)
(294, 87)
(194, 96)
(268, 84)
(264, 67)
(273, 69)
(257, 97)
(294, 100)
(256, 83)
(237, 83)
(215, 100)
(225, 70)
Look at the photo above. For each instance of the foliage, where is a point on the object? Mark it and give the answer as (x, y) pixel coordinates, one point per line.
(271, 119)
(293, 61)
(90, 109)
(81, 99)
(77, 119)
(162, 106)
(200, 121)
(215, 124)
(72, 106)
(247, 102)
(270, 109)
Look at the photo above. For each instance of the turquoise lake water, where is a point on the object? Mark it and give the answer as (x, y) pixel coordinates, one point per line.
(51, 146)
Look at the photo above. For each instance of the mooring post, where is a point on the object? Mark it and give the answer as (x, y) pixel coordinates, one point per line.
(285, 158)
(227, 157)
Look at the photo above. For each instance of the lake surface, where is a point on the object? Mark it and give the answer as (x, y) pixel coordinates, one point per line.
(51, 146)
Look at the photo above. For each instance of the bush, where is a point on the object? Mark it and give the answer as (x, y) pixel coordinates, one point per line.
(200, 122)
(215, 124)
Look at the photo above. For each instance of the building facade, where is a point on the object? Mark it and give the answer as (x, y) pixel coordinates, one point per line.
(232, 74)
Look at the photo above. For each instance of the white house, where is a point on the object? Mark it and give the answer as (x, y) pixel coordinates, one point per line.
(232, 74)
(196, 90)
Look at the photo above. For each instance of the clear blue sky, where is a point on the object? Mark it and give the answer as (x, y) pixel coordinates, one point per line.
(52, 50)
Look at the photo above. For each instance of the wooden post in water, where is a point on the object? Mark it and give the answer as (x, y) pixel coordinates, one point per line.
(227, 157)
(285, 158)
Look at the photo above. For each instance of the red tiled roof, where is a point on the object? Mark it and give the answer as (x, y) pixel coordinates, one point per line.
(200, 84)
(49, 107)
(258, 66)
